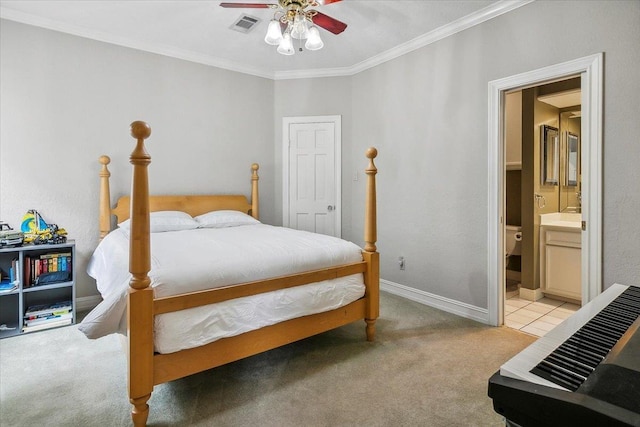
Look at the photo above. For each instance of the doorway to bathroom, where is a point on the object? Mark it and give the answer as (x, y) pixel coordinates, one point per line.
(542, 205)
(588, 70)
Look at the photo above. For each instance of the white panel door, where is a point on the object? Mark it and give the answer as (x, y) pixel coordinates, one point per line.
(312, 194)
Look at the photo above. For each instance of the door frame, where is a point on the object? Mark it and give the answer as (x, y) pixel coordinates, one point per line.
(590, 68)
(337, 122)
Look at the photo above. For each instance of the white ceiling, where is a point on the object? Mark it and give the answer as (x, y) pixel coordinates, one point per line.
(378, 30)
(568, 98)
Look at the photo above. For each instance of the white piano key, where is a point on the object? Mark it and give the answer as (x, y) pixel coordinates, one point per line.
(518, 367)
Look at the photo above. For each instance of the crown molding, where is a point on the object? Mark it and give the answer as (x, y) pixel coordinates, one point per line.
(471, 20)
(310, 74)
(450, 29)
(490, 12)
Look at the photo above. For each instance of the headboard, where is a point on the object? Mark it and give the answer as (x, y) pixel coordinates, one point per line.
(192, 204)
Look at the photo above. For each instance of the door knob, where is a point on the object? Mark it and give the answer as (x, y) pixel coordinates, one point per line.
(330, 208)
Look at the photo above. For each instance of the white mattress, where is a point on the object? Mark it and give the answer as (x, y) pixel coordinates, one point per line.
(191, 260)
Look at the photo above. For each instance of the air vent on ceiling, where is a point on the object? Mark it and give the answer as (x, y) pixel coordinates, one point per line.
(245, 23)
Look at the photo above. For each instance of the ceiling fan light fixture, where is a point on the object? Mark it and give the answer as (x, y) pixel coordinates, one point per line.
(292, 20)
(286, 46)
(299, 27)
(274, 34)
(314, 42)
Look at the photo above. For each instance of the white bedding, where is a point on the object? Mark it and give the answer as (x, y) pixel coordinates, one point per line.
(191, 260)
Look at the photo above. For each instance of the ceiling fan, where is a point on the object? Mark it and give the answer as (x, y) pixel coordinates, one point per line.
(292, 19)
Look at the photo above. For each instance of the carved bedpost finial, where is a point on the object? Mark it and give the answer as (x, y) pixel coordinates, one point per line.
(104, 170)
(370, 218)
(139, 255)
(140, 130)
(255, 212)
(254, 172)
(105, 197)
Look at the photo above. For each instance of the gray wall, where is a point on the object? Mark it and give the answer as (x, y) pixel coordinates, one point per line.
(425, 111)
(67, 100)
(427, 114)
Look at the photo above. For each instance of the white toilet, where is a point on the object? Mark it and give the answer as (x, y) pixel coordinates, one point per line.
(512, 240)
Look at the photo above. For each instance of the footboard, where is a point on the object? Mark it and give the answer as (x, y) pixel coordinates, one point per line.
(147, 369)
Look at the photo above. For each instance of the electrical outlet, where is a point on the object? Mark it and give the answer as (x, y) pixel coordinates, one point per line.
(401, 262)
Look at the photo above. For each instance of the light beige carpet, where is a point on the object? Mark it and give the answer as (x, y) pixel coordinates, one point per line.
(426, 368)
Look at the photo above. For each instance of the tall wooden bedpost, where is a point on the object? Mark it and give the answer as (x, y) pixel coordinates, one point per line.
(140, 298)
(372, 274)
(254, 191)
(105, 197)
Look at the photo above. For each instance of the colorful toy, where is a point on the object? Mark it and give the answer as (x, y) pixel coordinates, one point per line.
(9, 236)
(38, 232)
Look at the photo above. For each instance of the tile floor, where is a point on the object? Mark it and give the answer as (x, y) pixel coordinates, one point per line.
(535, 318)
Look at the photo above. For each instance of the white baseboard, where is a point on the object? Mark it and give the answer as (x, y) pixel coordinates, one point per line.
(87, 303)
(445, 304)
(531, 294)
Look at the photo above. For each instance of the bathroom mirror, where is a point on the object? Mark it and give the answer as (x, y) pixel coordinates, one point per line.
(549, 155)
(573, 156)
(570, 167)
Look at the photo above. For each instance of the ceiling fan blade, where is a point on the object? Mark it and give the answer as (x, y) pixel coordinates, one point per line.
(328, 23)
(326, 2)
(247, 5)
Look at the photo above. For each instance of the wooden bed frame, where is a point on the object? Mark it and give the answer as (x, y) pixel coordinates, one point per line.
(146, 368)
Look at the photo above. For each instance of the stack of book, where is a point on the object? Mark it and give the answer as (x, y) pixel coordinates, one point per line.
(7, 286)
(36, 266)
(46, 316)
(9, 282)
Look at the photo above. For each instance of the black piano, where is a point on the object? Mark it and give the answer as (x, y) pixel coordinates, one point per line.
(585, 372)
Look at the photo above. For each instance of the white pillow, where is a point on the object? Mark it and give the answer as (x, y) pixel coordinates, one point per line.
(161, 221)
(220, 219)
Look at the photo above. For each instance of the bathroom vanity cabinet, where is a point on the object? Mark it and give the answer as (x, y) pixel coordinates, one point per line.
(560, 262)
